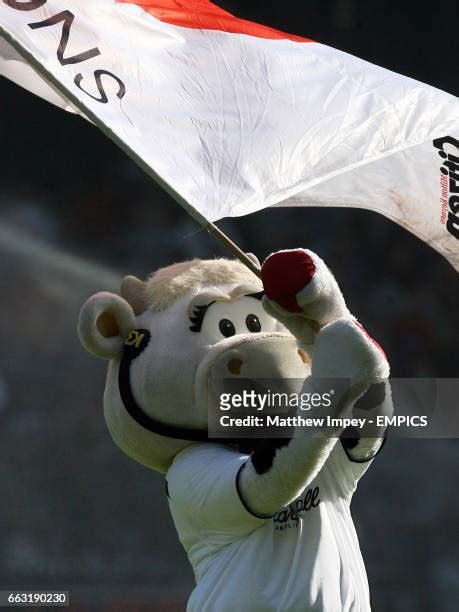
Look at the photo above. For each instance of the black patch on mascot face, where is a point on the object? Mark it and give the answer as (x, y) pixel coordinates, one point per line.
(136, 343)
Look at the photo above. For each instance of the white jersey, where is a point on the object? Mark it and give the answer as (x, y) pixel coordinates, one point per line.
(306, 558)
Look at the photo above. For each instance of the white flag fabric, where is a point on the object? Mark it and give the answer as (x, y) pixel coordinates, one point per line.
(236, 117)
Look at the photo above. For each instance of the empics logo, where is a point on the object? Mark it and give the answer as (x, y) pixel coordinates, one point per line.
(448, 149)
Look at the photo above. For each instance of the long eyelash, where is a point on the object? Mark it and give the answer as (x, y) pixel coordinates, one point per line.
(199, 312)
(198, 316)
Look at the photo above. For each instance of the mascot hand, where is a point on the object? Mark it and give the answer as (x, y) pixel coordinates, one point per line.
(301, 292)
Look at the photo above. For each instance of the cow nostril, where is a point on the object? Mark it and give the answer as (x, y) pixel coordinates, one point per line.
(235, 365)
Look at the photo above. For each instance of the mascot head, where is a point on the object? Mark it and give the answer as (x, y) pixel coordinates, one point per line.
(170, 341)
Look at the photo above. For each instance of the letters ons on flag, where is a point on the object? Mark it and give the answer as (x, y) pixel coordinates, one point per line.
(236, 117)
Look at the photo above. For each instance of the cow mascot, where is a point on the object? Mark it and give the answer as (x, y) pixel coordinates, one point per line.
(266, 523)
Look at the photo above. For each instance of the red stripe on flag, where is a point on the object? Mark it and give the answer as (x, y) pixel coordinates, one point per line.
(203, 15)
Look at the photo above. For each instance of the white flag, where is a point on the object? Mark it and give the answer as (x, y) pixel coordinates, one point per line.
(235, 116)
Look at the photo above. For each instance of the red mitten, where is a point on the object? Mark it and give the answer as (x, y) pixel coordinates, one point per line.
(299, 282)
(286, 273)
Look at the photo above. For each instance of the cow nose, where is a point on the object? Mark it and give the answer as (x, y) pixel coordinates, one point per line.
(235, 365)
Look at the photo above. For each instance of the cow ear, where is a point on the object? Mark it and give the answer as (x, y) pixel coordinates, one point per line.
(104, 323)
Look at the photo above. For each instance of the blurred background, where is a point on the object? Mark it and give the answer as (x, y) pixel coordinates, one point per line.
(76, 214)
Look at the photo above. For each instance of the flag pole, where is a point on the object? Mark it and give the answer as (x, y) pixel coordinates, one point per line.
(211, 228)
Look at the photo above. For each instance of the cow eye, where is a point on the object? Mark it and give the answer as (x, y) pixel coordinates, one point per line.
(253, 323)
(227, 319)
(227, 328)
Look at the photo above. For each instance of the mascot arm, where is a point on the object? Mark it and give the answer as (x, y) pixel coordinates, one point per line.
(304, 295)
(279, 470)
(308, 301)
